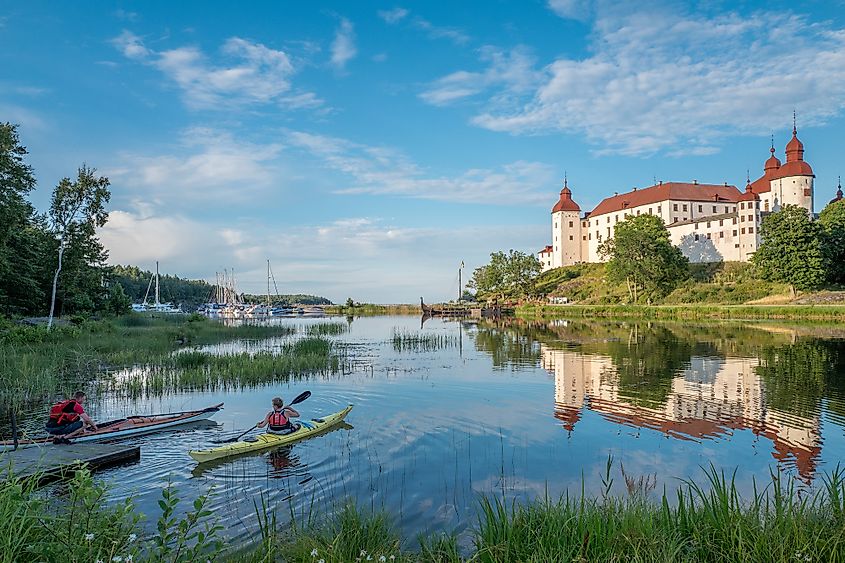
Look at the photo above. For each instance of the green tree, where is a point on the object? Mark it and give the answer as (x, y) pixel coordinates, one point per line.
(119, 303)
(20, 240)
(507, 275)
(77, 209)
(791, 249)
(832, 221)
(641, 254)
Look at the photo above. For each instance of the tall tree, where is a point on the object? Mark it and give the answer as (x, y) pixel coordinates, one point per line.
(832, 221)
(791, 249)
(641, 254)
(507, 275)
(16, 218)
(77, 209)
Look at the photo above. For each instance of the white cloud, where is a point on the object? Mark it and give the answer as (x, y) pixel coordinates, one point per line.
(570, 9)
(394, 15)
(247, 73)
(130, 45)
(380, 170)
(206, 165)
(367, 258)
(439, 32)
(514, 71)
(343, 46)
(657, 78)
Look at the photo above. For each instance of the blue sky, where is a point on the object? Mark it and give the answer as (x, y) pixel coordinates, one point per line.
(368, 148)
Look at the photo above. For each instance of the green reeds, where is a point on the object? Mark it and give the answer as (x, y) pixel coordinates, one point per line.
(36, 364)
(327, 329)
(415, 341)
(686, 312)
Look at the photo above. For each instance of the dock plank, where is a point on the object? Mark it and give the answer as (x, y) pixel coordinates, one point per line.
(49, 463)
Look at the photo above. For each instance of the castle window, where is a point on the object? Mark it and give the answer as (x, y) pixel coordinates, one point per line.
(734, 232)
(750, 230)
(695, 226)
(751, 217)
(585, 237)
(674, 219)
(649, 211)
(734, 220)
(708, 224)
(570, 237)
(742, 218)
(721, 222)
(608, 231)
(767, 206)
(658, 209)
(638, 212)
(714, 209)
(736, 245)
(742, 205)
(555, 224)
(721, 234)
(734, 209)
(685, 207)
(685, 218)
(696, 237)
(699, 209)
(570, 224)
(757, 204)
(742, 230)
(726, 209)
(708, 236)
(598, 236)
(675, 207)
(608, 219)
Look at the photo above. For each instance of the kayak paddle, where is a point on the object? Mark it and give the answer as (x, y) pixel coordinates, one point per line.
(299, 398)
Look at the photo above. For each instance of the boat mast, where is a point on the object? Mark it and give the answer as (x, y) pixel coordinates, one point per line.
(157, 292)
(460, 284)
(268, 284)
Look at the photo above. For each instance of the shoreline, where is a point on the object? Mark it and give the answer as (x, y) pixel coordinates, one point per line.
(687, 312)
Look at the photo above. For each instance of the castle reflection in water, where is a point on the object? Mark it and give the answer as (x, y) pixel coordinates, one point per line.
(709, 399)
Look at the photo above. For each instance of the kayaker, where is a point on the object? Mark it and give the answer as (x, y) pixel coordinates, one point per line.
(68, 419)
(278, 419)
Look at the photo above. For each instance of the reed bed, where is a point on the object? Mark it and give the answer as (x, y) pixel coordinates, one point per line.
(36, 364)
(327, 329)
(416, 341)
(197, 370)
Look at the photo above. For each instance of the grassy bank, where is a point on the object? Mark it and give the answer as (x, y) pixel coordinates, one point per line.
(711, 522)
(686, 312)
(36, 364)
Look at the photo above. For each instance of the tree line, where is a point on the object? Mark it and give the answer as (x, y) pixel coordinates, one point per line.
(50, 262)
(795, 249)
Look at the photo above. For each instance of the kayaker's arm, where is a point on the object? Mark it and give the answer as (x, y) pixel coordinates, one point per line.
(264, 422)
(292, 411)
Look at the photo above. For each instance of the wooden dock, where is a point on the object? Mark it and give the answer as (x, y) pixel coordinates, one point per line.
(48, 463)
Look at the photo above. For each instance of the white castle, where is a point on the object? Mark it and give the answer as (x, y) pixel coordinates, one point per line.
(708, 222)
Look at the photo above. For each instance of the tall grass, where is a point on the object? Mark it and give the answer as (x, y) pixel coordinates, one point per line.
(413, 341)
(36, 364)
(712, 522)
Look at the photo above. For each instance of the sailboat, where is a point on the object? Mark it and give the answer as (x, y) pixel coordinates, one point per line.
(158, 306)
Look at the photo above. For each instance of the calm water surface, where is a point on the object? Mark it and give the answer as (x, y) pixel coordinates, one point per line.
(514, 408)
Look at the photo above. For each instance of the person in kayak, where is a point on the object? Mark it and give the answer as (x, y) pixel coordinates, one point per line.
(278, 419)
(68, 419)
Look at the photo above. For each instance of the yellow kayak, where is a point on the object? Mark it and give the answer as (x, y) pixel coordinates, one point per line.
(307, 428)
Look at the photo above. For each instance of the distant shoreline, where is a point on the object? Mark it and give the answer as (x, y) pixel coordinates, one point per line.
(692, 312)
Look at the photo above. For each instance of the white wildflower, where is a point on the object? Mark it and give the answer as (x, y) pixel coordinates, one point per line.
(314, 552)
(132, 537)
(382, 559)
(369, 557)
(89, 537)
(117, 559)
(99, 561)
(363, 553)
(392, 557)
(321, 561)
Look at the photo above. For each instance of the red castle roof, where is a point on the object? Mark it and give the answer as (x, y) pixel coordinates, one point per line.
(665, 191)
(565, 203)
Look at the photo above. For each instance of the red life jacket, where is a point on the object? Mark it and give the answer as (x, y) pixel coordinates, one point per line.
(62, 413)
(278, 419)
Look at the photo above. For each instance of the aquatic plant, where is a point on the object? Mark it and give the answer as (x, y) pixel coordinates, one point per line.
(410, 341)
(327, 329)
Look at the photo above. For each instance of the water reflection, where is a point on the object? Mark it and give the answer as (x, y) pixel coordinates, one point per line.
(688, 382)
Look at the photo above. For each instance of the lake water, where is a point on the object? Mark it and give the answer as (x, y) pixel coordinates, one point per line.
(516, 409)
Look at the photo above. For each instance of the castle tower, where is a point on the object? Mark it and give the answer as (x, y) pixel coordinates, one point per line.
(566, 230)
(792, 184)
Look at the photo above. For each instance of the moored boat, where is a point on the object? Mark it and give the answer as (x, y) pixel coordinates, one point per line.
(129, 426)
(307, 428)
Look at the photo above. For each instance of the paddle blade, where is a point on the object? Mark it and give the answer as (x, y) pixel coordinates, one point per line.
(301, 397)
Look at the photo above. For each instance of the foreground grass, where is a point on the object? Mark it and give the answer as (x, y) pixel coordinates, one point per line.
(687, 312)
(710, 523)
(36, 364)
(706, 523)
